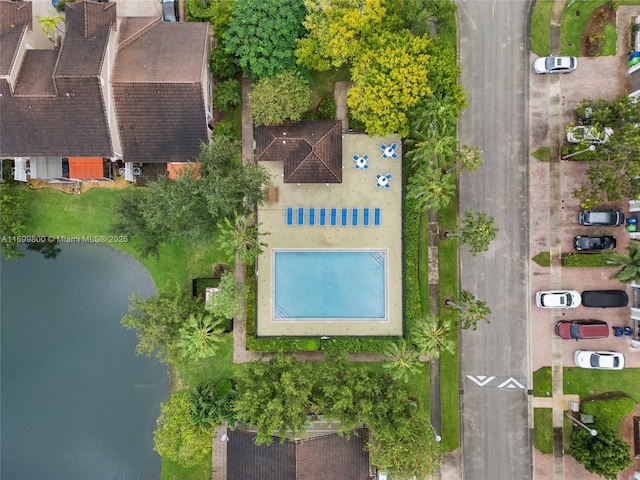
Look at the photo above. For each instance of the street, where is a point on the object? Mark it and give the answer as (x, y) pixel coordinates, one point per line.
(494, 368)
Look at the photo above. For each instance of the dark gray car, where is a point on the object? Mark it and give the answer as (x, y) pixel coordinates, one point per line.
(170, 11)
(594, 242)
(604, 298)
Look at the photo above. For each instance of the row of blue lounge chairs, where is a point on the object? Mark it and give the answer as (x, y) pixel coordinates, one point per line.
(331, 217)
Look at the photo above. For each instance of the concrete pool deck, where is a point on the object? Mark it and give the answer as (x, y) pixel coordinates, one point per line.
(357, 190)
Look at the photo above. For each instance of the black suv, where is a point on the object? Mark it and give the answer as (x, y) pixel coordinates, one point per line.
(593, 242)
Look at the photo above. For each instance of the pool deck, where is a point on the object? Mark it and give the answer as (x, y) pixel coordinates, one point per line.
(357, 190)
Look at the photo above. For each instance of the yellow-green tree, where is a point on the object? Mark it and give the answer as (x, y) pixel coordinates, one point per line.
(390, 77)
(338, 30)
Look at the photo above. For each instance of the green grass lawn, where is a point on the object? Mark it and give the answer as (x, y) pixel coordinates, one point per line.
(541, 26)
(449, 363)
(543, 430)
(573, 24)
(323, 83)
(588, 383)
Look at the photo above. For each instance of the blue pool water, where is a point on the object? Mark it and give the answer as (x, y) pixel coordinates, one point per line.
(329, 284)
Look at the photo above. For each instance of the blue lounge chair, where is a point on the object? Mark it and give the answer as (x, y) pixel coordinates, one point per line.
(334, 217)
(365, 217)
(376, 217)
(300, 216)
(289, 216)
(323, 217)
(354, 217)
(312, 216)
(344, 217)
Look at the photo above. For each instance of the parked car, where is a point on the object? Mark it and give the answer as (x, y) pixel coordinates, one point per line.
(170, 11)
(582, 134)
(594, 242)
(611, 218)
(599, 360)
(558, 299)
(604, 298)
(555, 65)
(579, 329)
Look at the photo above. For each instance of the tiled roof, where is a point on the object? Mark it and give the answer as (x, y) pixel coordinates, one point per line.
(71, 124)
(36, 74)
(57, 107)
(85, 42)
(160, 123)
(164, 52)
(15, 18)
(329, 457)
(311, 150)
(158, 91)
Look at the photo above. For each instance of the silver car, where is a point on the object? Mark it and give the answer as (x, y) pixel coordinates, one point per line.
(593, 135)
(555, 65)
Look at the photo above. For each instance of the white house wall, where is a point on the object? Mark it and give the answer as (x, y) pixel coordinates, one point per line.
(107, 90)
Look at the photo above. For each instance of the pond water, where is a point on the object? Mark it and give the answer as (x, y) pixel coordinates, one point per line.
(76, 403)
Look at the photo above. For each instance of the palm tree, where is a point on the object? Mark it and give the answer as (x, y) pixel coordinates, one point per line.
(49, 25)
(241, 237)
(468, 159)
(401, 360)
(432, 189)
(630, 272)
(431, 336)
(199, 336)
(476, 230)
(470, 310)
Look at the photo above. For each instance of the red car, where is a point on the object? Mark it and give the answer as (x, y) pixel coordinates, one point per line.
(577, 329)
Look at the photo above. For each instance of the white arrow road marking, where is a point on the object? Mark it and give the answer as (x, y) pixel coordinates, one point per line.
(511, 383)
(480, 380)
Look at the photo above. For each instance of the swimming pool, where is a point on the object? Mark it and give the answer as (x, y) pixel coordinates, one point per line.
(329, 284)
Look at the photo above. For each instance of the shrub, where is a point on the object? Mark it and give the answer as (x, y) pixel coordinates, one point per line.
(226, 128)
(227, 94)
(608, 412)
(596, 42)
(327, 108)
(222, 64)
(586, 260)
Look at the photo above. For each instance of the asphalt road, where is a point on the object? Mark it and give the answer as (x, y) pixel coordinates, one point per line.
(494, 45)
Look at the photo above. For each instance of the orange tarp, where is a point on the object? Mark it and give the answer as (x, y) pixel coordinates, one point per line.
(85, 167)
(175, 168)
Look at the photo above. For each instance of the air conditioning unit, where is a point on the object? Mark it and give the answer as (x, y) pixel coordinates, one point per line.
(121, 171)
(137, 171)
(27, 171)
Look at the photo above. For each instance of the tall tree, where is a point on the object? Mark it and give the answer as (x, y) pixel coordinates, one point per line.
(199, 336)
(390, 77)
(470, 310)
(229, 300)
(263, 34)
(630, 271)
(158, 319)
(49, 25)
(476, 230)
(604, 454)
(212, 405)
(467, 159)
(275, 395)
(177, 437)
(401, 360)
(285, 96)
(431, 188)
(430, 336)
(338, 30)
(241, 237)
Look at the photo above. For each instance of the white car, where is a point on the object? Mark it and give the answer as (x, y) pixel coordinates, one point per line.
(582, 134)
(599, 360)
(555, 65)
(558, 299)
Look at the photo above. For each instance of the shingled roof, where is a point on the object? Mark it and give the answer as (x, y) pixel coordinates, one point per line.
(56, 108)
(15, 20)
(158, 91)
(311, 150)
(329, 457)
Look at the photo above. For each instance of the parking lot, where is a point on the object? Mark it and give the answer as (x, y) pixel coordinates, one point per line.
(554, 224)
